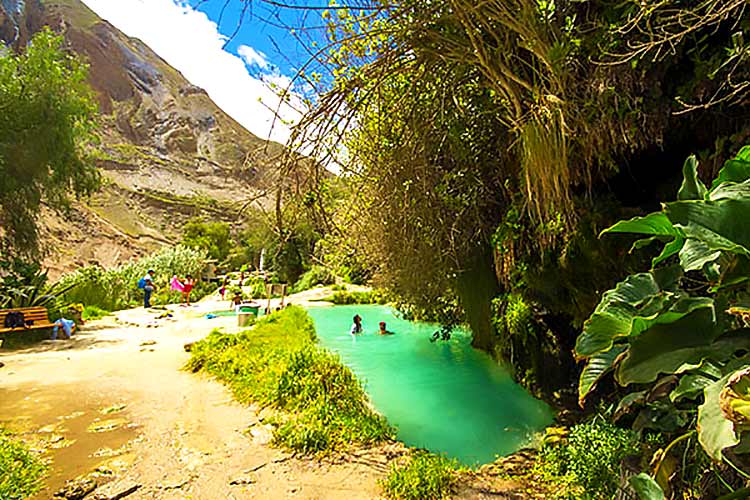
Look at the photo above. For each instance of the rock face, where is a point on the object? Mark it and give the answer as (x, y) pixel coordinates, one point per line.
(168, 152)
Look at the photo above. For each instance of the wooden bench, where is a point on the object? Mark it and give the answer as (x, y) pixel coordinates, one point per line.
(36, 314)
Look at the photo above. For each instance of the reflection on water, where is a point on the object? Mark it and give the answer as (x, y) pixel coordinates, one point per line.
(443, 396)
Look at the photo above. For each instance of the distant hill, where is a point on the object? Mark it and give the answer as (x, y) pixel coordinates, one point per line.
(168, 154)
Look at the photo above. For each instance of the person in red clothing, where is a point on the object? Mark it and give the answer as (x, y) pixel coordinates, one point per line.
(188, 285)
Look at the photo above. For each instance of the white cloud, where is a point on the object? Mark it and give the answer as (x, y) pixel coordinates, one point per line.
(190, 42)
(252, 56)
(282, 82)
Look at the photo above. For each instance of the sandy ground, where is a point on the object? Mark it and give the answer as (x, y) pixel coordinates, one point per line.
(115, 400)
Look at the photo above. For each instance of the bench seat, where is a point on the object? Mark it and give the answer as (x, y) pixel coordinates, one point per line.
(36, 314)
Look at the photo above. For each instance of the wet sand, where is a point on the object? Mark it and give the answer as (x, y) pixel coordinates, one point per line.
(114, 401)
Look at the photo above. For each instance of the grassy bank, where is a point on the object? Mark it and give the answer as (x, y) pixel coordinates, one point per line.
(20, 472)
(277, 363)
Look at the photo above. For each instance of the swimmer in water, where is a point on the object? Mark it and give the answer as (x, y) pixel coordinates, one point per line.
(356, 325)
(382, 330)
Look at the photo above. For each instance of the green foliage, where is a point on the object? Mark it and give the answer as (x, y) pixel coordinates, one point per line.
(315, 276)
(24, 284)
(277, 363)
(660, 323)
(588, 460)
(211, 237)
(21, 472)
(93, 313)
(328, 407)
(49, 112)
(425, 476)
(117, 288)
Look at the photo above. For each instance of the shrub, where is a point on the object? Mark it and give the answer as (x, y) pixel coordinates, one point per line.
(315, 276)
(424, 477)
(323, 406)
(257, 287)
(24, 284)
(589, 459)
(20, 471)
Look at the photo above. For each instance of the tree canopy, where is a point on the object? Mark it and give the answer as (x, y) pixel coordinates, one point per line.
(48, 124)
(213, 237)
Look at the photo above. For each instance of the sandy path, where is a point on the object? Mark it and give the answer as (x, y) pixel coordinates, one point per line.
(176, 434)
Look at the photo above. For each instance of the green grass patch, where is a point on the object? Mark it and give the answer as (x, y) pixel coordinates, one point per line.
(21, 472)
(277, 363)
(425, 476)
(93, 312)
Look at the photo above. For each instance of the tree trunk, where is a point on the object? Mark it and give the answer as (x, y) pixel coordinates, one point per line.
(476, 286)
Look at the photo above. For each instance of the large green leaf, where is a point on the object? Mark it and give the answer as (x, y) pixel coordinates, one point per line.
(730, 191)
(720, 225)
(657, 224)
(626, 310)
(715, 432)
(695, 254)
(672, 348)
(737, 170)
(692, 188)
(669, 250)
(743, 154)
(596, 367)
(691, 386)
(646, 487)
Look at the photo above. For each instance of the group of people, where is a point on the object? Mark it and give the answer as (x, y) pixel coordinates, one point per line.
(183, 285)
(357, 327)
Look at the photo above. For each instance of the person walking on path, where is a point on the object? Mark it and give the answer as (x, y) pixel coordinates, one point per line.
(148, 287)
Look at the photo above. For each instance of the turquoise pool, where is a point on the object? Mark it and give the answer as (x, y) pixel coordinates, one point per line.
(443, 396)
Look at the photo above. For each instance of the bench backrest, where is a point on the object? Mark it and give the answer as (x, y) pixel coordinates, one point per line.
(35, 314)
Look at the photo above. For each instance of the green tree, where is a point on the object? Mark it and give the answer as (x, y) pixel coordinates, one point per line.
(213, 237)
(46, 132)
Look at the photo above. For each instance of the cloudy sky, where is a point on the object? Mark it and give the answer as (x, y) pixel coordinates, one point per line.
(236, 71)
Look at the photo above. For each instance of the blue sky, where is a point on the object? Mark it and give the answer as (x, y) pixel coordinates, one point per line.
(241, 78)
(261, 30)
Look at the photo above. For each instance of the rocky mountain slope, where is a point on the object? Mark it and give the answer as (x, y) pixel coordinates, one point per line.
(168, 152)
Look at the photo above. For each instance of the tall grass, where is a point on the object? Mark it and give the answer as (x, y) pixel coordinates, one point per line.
(322, 405)
(425, 476)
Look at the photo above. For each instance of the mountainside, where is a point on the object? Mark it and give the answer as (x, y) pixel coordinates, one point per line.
(168, 152)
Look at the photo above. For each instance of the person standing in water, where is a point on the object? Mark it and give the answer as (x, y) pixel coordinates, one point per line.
(356, 325)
